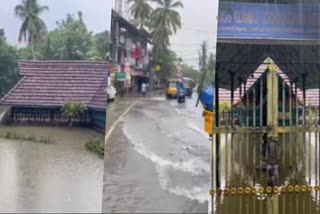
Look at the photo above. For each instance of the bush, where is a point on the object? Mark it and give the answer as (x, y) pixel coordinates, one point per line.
(224, 106)
(12, 135)
(45, 140)
(72, 110)
(95, 145)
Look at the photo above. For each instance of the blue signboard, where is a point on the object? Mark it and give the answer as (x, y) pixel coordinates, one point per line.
(268, 21)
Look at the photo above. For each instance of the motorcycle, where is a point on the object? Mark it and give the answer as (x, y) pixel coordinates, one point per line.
(181, 97)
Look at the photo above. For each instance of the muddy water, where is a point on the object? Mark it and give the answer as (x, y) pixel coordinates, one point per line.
(56, 177)
(157, 161)
(299, 165)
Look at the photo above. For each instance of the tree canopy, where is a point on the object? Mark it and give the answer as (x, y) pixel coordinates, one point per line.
(33, 27)
(162, 21)
(70, 40)
(8, 65)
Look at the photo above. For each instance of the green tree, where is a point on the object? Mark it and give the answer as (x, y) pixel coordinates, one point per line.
(33, 27)
(69, 41)
(100, 47)
(211, 68)
(72, 110)
(76, 38)
(165, 21)
(141, 11)
(167, 59)
(8, 65)
(191, 72)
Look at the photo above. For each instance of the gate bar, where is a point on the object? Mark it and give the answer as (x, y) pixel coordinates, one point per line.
(283, 135)
(318, 134)
(232, 74)
(261, 125)
(217, 146)
(304, 97)
(290, 135)
(304, 118)
(245, 101)
(241, 113)
(297, 120)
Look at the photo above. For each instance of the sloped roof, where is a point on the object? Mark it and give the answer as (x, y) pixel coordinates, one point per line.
(99, 100)
(52, 83)
(312, 95)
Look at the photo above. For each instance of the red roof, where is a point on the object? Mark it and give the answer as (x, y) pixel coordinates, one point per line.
(312, 95)
(52, 83)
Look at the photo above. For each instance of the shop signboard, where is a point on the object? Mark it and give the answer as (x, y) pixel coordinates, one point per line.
(268, 21)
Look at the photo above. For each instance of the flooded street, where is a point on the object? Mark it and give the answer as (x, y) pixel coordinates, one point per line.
(50, 177)
(158, 160)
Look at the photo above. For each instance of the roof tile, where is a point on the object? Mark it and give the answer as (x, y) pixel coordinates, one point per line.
(51, 83)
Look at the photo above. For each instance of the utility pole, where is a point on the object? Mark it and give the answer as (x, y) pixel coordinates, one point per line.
(203, 67)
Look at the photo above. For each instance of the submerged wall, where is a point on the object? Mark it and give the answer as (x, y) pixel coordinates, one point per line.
(98, 119)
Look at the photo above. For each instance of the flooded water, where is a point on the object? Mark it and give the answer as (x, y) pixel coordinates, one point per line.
(298, 166)
(50, 177)
(158, 160)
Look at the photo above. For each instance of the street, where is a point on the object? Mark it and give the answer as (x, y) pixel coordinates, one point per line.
(157, 160)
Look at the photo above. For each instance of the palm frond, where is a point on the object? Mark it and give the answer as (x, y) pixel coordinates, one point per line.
(176, 4)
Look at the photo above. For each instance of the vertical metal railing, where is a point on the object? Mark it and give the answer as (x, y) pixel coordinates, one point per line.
(241, 150)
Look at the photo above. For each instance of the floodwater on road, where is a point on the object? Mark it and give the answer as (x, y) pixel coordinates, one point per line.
(158, 160)
(50, 177)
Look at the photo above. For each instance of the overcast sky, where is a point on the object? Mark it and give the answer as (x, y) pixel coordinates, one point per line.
(198, 21)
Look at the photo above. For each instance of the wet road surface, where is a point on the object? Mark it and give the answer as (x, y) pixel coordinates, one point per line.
(157, 160)
(50, 177)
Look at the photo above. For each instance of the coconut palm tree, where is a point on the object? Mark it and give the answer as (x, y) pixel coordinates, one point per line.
(165, 21)
(141, 11)
(33, 27)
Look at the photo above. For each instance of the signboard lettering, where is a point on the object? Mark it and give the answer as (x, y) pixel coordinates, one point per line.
(269, 21)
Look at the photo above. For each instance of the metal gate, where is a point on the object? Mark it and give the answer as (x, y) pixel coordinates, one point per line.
(265, 152)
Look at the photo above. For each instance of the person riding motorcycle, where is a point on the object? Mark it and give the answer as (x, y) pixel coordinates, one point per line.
(181, 92)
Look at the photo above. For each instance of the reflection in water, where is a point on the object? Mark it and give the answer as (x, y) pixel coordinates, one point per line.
(58, 177)
(299, 163)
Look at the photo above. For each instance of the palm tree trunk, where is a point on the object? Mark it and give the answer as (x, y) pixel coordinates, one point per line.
(33, 54)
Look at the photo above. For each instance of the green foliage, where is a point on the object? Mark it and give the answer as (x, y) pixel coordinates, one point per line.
(167, 59)
(224, 106)
(76, 39)
(71, 40)
(8, 65)
(33, 27)
(72, 110)
(95, 145)
(12, 135)
(210, 70)
(165, 21)
(101, 46)
(191, 72)
(141, 11)
(46, 140)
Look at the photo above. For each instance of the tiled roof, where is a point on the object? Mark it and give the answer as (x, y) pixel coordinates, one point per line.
(99, 101)
(312, 95)
(52, 83)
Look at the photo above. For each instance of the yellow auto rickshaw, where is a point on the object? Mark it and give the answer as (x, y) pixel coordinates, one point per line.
(172, 89)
